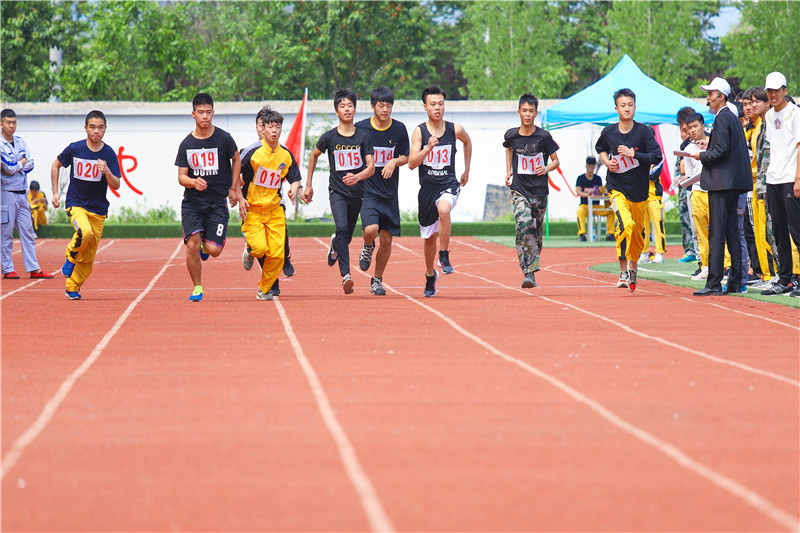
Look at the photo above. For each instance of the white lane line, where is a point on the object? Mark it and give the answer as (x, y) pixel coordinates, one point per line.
(377, 517)
(732, 487)
(671, 344)
(39, 242)
(34, 430)
(470, 245)
(31, 284)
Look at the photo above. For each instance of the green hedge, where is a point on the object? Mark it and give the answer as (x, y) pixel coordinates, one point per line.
(312, 229)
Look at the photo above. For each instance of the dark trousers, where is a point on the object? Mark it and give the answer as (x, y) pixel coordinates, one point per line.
(784, 209)
(345, 210)
(286, 238)
(723, 227)
(750, 239)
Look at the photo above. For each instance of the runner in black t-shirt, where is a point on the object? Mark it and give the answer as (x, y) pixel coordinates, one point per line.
(528, 150)
(628, 148)
(207, 161)
(433, 150)
(351, 162)
(380, 211)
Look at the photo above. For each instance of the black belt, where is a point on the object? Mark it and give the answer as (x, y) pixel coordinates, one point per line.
(17, 192)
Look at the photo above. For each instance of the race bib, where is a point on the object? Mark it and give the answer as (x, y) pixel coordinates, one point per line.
(383, 155)
(348, 159)
(266, 177)
(203, 159)
(86, 169)
(527, 164)
(625, 163)
(439, 156)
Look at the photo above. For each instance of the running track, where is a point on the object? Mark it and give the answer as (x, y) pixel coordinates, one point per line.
(574, 406)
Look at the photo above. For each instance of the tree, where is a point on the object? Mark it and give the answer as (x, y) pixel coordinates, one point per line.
(511, 48)
(765, 40)
(583, 47)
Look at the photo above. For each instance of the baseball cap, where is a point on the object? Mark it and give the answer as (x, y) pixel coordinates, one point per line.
(718, 84)
(775, 80)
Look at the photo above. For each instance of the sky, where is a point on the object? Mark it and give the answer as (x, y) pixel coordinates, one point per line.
(727, 20)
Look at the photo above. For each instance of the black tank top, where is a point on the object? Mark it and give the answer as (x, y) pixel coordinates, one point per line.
(439, 165)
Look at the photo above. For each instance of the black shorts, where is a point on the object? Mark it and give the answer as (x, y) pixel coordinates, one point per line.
(209, 219)
(381, 211)
(429, 194)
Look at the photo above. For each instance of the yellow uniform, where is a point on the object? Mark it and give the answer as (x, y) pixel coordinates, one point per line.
(83, 246)
(655, 214)
(38, 209)
(630, 217)
(264, 227)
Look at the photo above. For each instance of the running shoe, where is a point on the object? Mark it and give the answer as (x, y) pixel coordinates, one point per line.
(644, 258)
(688, 258)
(264, 296)
(288, 268)
(73, 295)
(67, 269)
(700, 276)
(41, 275)
(622, 283)
(529, 282)
(197, 294)
(752, 279)
(742, 290)
(582, 238)
(444, 262)
(631, 280)
(430, 284)
(11, 275)
(777, 289)
(376, 287)
(610, 237)
(659, 258)
(366, 256)
(332, 256)
(247, 259)
(347, 284)
(203, 254)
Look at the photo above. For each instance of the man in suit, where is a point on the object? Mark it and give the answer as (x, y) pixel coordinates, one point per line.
(725, 175)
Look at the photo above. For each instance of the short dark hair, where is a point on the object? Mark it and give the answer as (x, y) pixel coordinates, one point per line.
(202, 99)
(591, 160)
(7, 113)
(96, 113)
(684, 113)
(695, 117)
(429, 90)
(529, 99)
(269, 116)
(381, 94)
(747, 94)
(624, 92)
(789, 99)
(34, 185)
(341, 94)
(759, 93)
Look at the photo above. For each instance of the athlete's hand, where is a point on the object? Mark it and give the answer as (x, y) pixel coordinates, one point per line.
(350, 179)
(243, 205)
(625, 151)
(613, 166)
(464, 178)
(388, 170)
(432, 141)
(703, 145)
(541, 171)
(509, 175)
(308, 194)
(797, 186)
(56, 200)
(101, 166)
(200, 184)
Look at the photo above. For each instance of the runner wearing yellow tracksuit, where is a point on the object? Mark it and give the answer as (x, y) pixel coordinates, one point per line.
(264, 227)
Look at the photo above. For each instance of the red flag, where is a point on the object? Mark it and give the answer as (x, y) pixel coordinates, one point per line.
(665, 176)
(296, 140)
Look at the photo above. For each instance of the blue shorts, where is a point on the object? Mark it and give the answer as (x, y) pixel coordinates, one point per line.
(381, 211)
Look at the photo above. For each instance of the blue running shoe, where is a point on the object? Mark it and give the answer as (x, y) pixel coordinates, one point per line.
(197, 294)
(741, 290)
(203, 254)
(430, 284)
(73, 295)
(688, 258)
(67, 269)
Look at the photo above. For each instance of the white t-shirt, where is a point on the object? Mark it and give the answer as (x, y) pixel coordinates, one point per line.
(692, 166)
(783, 135)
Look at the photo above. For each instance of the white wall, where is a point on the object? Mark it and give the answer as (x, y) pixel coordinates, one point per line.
(151, 133)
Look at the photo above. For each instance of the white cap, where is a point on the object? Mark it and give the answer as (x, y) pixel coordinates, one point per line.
(718, 84)
(775, 80)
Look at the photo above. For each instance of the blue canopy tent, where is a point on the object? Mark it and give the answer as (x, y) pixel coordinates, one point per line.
(655, 104)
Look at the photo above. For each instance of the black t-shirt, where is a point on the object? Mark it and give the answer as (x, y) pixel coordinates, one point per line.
(585, 183)
(209, 159)
(346, 155)
(388, 144)
(527, 152)
(633, 177)
(439, 165)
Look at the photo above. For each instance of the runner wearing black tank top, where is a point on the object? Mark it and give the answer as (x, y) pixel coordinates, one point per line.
(433, 147)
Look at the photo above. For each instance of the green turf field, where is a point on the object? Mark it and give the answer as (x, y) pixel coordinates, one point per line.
(671, 272)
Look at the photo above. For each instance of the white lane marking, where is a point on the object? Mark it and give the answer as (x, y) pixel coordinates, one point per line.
(34, 430)
(747, 495)
(31, 284)
(470, 245)
(39, 242)
(671, 344)
(377, 517)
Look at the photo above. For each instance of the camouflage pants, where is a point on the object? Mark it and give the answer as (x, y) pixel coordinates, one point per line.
(529, 217)
(687, 229)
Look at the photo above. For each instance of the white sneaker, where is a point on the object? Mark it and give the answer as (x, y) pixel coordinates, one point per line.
(645, 257)
(659, 258)
(702, 275)
(623, 280)
(247, 259)
(269, 295)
